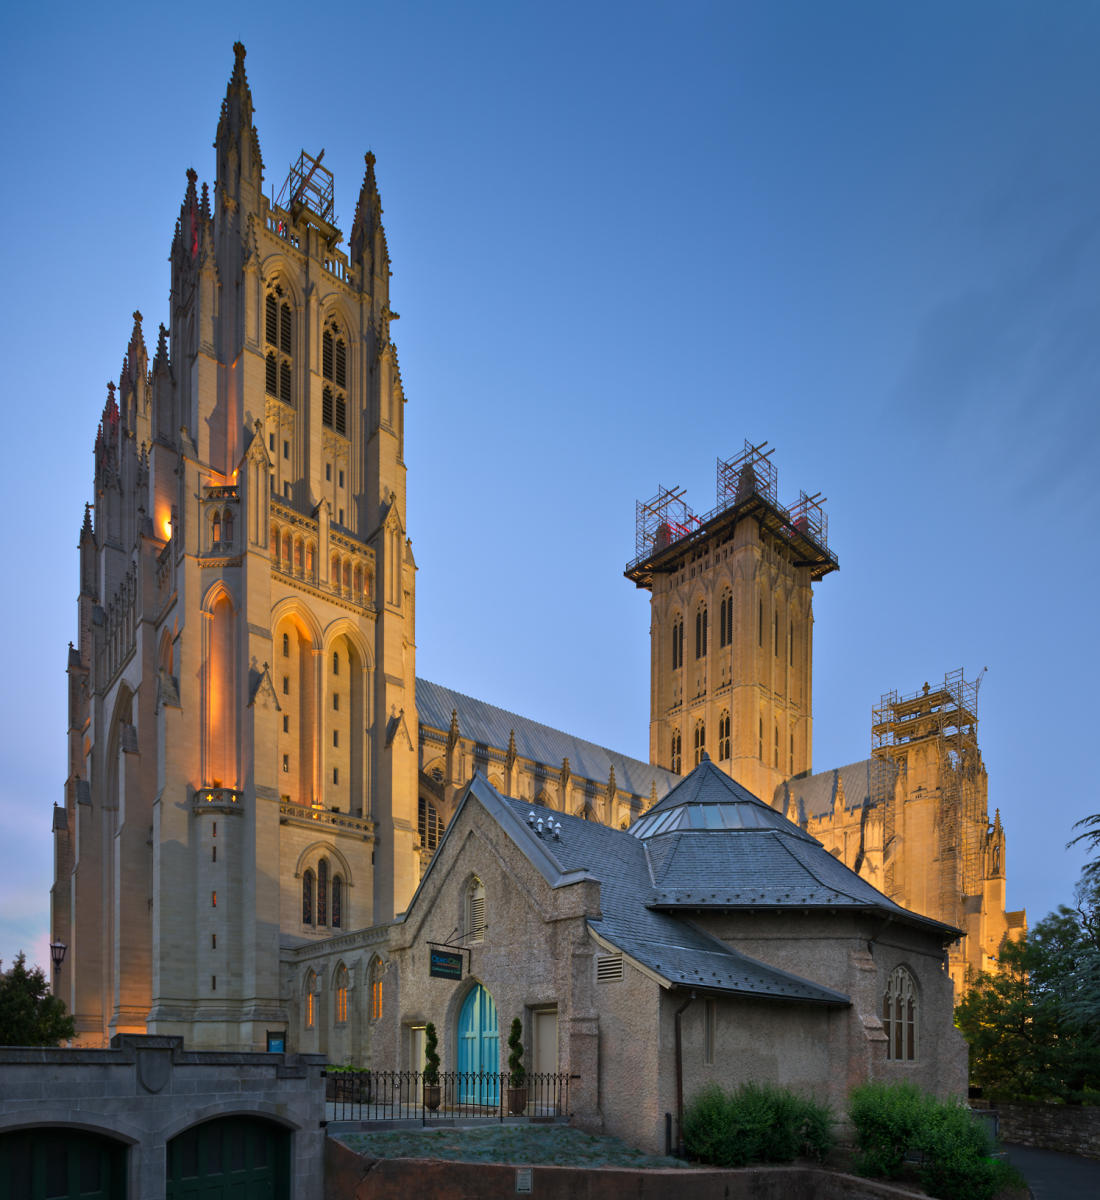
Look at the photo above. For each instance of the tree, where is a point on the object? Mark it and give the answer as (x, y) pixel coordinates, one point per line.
(1091, 835)
(1034, 1026)
(30, 1015)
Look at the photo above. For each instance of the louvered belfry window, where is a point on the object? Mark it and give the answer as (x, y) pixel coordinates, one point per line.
(279, 336)
(334, 368)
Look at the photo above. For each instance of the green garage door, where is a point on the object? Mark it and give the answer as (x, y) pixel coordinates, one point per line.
(61, 1164)
(231, 1158)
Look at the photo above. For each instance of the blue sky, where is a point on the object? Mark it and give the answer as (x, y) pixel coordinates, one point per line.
(625, 237)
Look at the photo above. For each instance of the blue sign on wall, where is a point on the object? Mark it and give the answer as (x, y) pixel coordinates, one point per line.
(445, 965)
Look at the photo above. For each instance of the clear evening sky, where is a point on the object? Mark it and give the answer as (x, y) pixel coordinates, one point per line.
(624, 238)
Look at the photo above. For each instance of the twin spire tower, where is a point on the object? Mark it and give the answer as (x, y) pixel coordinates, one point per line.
(242, 692)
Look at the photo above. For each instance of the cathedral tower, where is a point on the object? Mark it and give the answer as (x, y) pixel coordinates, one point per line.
(242, 767)
(731, 630)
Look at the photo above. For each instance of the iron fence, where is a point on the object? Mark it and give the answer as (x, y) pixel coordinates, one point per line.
(465, 1095)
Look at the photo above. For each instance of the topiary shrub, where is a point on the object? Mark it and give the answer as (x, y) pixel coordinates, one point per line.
(431, 1055)
(517, 1072)
(756, 1123)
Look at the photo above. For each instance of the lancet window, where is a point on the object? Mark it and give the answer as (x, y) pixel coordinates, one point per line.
(279, 339)
(334, 369)
(899, 1016)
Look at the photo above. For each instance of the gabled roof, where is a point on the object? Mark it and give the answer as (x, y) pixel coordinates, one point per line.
(488, 725)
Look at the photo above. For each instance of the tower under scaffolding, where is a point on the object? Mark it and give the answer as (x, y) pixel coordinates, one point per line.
(945, 717)
(746, 484)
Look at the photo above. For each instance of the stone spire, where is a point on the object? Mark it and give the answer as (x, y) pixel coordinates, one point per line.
(239, 184)
(368, 222)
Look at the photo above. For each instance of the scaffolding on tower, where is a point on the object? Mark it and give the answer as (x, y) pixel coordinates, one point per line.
(662, 520)
(947, 714)
(308, 185)
(750, 472)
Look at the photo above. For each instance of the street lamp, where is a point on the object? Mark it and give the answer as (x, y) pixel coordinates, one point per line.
(57, 953)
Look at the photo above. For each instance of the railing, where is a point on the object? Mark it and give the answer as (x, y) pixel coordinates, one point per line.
(464, 1095)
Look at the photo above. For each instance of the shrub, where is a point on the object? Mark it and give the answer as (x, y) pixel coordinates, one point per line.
(517, 1072)
(954, 1150)
(756, 1123)
(431, 1055)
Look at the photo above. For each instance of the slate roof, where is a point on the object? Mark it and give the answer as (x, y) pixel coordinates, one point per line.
(710, 843)
(667, 945)
(863, 781)
(488, 725)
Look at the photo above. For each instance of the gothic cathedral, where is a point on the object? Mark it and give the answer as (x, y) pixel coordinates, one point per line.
(253, 765)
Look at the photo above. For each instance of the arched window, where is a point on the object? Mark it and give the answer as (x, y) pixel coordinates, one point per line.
(227, 525)
(341, 981)
(307, 898)
(216, 529)
(724, 736)
(725, 620)
(375, 976)
(775, 759)
(675, 758)
(677, 642)
(286, 645)
(335, 663)
(899, 1016)
(430, 826)
(700, 741)
(322, 892)
(475, 911)
(701, 631)
(279, 336)
(337, 901)
(334, 368)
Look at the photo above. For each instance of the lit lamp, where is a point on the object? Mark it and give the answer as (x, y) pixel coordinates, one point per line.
(57, 953)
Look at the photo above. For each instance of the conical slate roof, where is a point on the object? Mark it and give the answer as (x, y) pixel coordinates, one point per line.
(711, 844)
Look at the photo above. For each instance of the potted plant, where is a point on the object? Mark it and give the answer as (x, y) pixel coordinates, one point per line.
(432, 1090)
(517, 1073)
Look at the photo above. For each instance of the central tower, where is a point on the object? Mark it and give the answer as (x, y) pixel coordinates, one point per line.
(731, 629)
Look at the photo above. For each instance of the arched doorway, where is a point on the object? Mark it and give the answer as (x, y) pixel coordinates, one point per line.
(66, 1163)
(478, 1049)
(230, 1156)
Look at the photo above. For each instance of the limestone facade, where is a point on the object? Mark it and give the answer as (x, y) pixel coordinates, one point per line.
(242, 732)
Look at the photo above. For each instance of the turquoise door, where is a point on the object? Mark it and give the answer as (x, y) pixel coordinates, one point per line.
(478, 1050)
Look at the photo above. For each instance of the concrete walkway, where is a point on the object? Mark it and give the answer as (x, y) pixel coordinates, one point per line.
(1053, 1176)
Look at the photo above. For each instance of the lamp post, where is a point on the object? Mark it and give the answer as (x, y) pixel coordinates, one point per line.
(57, 953)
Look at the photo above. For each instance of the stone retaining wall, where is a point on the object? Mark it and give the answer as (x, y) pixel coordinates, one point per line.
(349, 1176)
(1060, 1127)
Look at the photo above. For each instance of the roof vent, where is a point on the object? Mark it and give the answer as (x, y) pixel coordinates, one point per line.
(609, 968)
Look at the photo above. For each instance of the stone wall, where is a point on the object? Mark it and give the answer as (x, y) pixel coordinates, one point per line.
(348, 1176)
(143, 1091)
(1051, 1127)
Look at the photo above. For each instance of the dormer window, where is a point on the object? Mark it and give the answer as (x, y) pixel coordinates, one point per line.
(334, 369)
(279, 336)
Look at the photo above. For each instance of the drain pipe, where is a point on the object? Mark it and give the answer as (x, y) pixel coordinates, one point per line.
(680, 1077)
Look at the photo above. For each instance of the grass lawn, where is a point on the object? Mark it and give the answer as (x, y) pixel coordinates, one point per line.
(534, 1145)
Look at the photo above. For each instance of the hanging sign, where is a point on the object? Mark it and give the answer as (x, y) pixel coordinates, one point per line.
(444, 964)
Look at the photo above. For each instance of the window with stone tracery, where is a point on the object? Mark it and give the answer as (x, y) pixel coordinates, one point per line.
(279, 337)
(334, 369)
(899, 1016)
(675, 758)
(723, 736)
